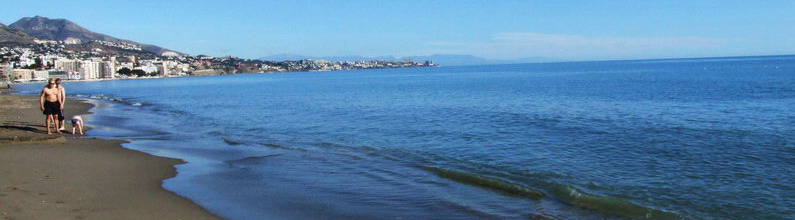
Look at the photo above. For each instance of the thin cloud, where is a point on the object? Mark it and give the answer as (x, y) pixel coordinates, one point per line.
(447, 43)
(517, 45)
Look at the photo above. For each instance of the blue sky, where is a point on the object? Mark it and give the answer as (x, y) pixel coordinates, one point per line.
(494, 29)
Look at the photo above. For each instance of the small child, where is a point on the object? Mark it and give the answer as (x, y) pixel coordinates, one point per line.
(77, 122)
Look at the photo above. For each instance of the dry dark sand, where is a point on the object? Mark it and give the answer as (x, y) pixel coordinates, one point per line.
(61, 177)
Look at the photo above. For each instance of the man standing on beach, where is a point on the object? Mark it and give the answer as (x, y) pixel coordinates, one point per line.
(50, 104)
(62, 101)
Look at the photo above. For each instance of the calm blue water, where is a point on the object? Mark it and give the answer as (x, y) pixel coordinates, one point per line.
(664, 139)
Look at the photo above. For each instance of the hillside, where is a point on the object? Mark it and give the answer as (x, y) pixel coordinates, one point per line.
(62, 29)
(11, 36)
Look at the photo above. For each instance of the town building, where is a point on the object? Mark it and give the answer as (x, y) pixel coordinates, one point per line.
(112, 68)
(5, 72)
(22, 75)
(128, 65)
(67, 65)
(59, 74)
(41, 75)
(148, 66)
(170, 68)
(95, 70)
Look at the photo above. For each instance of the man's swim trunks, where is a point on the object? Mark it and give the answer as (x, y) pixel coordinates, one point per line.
(52, 108)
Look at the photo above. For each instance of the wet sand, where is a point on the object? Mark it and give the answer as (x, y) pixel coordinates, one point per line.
(62, 176)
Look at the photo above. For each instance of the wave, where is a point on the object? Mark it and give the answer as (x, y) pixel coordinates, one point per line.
(511, 189)
(231, 142)
(278, 146)
(249, 160)
(109, 98)
(608, 205)
(564, 193)
(150, 106)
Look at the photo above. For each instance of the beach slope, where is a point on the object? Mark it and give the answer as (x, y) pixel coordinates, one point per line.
(61, 177)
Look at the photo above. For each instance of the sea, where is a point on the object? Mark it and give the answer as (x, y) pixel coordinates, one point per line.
(707, 138)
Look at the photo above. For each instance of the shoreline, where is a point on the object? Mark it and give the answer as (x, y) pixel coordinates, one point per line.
(62, 176)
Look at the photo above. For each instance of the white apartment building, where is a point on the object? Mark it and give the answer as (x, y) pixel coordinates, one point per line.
(109, 69)
(113, 67)
(95, 70)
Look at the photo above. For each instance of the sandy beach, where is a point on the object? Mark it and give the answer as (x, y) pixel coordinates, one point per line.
(62, 176)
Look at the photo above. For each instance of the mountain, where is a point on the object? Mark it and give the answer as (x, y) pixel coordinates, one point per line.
(285, 56)
(62, 29)
(8, 35)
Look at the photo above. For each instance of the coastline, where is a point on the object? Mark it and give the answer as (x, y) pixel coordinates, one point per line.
(62, 176)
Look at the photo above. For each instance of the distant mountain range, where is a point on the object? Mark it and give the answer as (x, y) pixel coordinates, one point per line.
(441, 59)
(24, 30)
